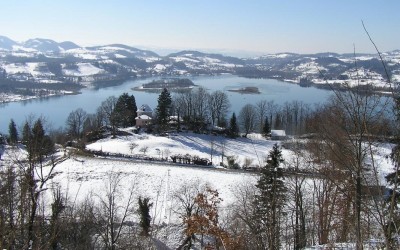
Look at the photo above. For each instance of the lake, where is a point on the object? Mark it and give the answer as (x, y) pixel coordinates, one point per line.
(57, 109)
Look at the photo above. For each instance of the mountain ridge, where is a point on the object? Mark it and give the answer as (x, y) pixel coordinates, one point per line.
(47, 61)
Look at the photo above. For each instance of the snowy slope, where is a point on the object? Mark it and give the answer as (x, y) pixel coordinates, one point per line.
(255, 147)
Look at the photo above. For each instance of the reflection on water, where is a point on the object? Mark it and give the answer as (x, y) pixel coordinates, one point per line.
(56, 109)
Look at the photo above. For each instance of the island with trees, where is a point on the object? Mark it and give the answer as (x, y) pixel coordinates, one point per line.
(246, 90)
(172, 84)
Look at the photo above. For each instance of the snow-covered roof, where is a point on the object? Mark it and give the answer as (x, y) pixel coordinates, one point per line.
(278, 133)
(144, 108)
(143, 117)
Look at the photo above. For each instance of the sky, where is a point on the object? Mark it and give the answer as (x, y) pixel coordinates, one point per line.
(230, 27)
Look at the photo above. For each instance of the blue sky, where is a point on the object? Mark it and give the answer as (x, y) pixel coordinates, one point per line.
(260, 26)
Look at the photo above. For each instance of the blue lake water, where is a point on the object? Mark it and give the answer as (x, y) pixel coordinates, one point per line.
(56, 109)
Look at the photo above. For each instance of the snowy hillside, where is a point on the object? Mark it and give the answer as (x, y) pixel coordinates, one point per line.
(47, 61)
(82, 177)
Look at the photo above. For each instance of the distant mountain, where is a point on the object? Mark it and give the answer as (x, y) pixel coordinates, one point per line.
(47, 61)
(6, 43)
(124, 50)
(196, 55)
(48, 45)
(68, 45)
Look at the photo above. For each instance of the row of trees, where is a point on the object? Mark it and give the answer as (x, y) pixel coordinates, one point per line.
(113, 112)
(198, 107)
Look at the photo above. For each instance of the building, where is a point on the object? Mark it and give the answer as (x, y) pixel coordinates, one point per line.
(278, 135)
(145, 110)
(144, 116)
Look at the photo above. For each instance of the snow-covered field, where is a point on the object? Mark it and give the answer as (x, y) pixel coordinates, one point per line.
(83, 69)
(255, 147)
(80, 177)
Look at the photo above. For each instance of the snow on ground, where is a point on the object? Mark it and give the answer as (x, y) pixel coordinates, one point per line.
(358, 58)
(255, 147)
(119, 56)
(185, 58)
(81, 176)
(396, 78)
(84, 69)
(81, 53)
(282, 55)
(312, 68)
(382, 161)
(8, 97)
(159, 67)
(25, 68)
(149, 59)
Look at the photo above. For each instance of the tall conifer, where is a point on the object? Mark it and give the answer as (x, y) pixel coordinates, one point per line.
(13, 133)
(163, 109)
(271, 198)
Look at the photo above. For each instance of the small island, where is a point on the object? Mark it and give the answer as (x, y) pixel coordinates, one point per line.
(172, 84)
(246, 90)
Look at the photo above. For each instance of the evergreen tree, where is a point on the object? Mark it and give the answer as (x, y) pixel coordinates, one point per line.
(125, 111)
(144, 212)
(163, 109)
(266, 128)
(13, 133)
(39, 144)
(37, 140)
(233, 130)
(270, 198)
(26, 134)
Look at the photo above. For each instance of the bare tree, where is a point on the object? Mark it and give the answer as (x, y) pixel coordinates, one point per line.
(110, 213)
(144, 149)
(132, 146)
(247, 118)
(183, 103)
(75, 122)
(261, 110)
(184, 198)
(200, 109)
(272, 109)
(106, 110)
(347, 126)
(218, 104)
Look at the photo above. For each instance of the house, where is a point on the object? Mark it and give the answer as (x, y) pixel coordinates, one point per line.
(145, 110)
(144, 116)
(278, 135)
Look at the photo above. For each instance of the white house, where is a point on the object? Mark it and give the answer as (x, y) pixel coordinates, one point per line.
(278, 135)
(144, 116)
(145, 110)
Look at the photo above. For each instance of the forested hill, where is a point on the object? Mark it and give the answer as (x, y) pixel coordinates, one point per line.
(47, 61)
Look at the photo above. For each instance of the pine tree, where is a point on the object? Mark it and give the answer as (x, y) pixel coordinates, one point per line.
(38, 143)
(266, 128)
(269, 201)
(163, 109)
(26, 134)
(144, 212)
(233, 127)
(13, 133)
(125, 111)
